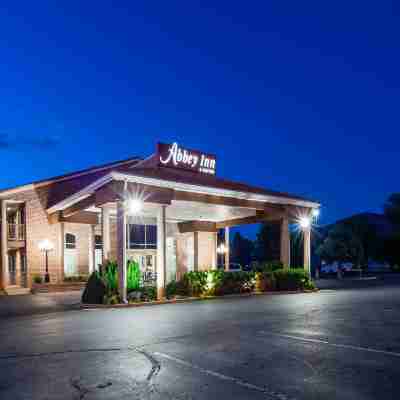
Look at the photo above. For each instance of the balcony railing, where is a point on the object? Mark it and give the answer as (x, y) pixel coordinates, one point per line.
(16, 231)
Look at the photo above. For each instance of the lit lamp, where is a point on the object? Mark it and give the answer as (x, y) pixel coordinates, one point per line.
(135, 206)
(221, 249)
(45, 246)
(305, 222)
(315, 213)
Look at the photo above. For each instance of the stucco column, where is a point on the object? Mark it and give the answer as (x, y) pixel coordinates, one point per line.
(195, 251)
(227, 249)
(121, 250)
(285, 243)
(105, 232)
(161, 252)
(92, 252)
(214, 261)
(307, 249)
(62, 249)
(4, 245)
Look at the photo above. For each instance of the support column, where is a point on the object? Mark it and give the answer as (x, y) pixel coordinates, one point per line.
(93, 247)
(227, 249)
(285, 243)
(195, 251)
(4, 245)
(121, 249)
(307, 250)
(62, 248)
(214, 262)
(105, 232)
(161, 252)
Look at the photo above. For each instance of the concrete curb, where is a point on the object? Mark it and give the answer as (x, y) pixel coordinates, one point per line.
(191, 299)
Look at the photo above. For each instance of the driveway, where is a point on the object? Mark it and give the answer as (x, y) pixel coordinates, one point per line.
(42, 303)
(342, 344)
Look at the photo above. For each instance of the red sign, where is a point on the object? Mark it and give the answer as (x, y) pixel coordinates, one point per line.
(172, 155)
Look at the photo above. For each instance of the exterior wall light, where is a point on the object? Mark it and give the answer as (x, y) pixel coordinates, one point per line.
(135, 206)
(305, 222)
(316, 212)
(45, 246)
(221, 249)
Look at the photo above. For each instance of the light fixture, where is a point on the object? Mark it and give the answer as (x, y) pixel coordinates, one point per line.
(135, 206)
(221, 248)
(305, 222)
(46, 246)
(316, 212)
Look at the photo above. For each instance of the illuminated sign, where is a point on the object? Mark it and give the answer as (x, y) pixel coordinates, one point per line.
(172, 155)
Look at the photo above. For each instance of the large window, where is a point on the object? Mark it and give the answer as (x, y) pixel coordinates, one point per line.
(142, 236)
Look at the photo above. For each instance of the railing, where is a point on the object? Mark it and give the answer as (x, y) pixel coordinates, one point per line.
(16, 232)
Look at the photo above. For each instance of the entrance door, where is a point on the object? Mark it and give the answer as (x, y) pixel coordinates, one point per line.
(70, 255)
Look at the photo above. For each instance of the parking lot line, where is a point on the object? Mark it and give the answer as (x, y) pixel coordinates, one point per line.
(338, 345)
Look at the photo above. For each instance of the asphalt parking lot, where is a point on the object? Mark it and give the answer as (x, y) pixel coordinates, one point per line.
(336, 344)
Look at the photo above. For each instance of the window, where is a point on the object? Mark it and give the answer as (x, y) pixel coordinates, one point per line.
(70, 241)
(142, 236)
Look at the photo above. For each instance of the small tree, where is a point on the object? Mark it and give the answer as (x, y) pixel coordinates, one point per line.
(342, 245)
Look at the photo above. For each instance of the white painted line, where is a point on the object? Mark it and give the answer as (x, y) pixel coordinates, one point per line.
(342, 346)
(223, 377)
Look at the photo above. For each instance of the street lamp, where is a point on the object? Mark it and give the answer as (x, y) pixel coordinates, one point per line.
(45, 246)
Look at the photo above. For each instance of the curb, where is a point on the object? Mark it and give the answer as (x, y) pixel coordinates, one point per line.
(192, 299)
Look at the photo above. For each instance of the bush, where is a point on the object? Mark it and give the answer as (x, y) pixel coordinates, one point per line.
(109, 274)
(292, 279)
(37, 279)
(396, 268)
(95, 290)
(171, 289)
(149, 293)
(133, 276)
(76, 278)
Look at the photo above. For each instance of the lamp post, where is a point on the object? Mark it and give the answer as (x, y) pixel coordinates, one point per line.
(45, 246)
(221, 250)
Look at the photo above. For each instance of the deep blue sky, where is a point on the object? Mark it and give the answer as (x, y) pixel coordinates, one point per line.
(296, 96)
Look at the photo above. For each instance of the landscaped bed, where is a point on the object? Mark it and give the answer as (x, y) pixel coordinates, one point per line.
(102, 287)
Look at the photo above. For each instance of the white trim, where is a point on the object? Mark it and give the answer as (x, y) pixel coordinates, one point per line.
(31, 186)
(82, 194)
(185, 187)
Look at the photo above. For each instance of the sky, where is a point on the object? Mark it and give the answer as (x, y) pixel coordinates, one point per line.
(301, 97)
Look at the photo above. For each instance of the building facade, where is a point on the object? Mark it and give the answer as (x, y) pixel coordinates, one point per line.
(163, 211)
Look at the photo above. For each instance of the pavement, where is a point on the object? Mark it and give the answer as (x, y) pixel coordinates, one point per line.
(335, 344)
(42, 303)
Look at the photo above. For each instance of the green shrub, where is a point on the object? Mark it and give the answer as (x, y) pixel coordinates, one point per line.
(76, 278)
(37, 279)
(171, 289)
(95, 290)
(291, 279)
(149, 293)
(396, 268)
(270, 266)
(133, 276)
(109, 273)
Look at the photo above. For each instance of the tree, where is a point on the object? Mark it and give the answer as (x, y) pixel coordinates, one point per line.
(267, 244)
(392, 209)
(342, 245)
(241, 250)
